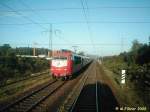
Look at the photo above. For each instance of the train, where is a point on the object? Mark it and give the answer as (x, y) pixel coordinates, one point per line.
(65, 63)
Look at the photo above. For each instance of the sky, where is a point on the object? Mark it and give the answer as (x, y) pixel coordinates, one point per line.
(99, 27)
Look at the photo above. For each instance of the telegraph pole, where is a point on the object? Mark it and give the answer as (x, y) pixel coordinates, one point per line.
(149, 40)
(34, 48)
(75, 48)
(122, 44)
(50, 40)
(50, 35)
(50, 31)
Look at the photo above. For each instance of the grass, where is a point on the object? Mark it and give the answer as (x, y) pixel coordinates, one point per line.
(125, 93)
(17, 79)
(10, 91)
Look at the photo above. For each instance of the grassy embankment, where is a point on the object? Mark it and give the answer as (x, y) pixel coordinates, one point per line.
(13, 90)
(129, 93)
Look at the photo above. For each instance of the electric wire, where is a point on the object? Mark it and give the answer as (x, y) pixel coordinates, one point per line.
(25, 17)
(79, 22)
(31, 9)
(78, 8)
(86, 15)
(27, 6)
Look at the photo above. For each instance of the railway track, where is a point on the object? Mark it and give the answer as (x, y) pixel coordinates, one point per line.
(88, 100)
(87, 105)
(82, 99)
(23, 79)
(33, 99)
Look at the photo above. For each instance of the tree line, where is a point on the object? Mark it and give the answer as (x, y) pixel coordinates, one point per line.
(12, 66)
(137, 64)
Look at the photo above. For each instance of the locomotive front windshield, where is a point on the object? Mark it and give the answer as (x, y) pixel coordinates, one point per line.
(60, 58)
(59, 61)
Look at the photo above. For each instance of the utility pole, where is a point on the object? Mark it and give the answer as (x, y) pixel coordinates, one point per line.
(122, 44)
(149, 40)
(50, 41)
(123, 40)
(50, 35)
(34, 51)
(34, 48)
(28, 50)
(75, 48)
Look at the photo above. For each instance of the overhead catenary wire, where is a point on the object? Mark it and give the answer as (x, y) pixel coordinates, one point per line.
(50, 46)
(25, 17)
(87, 21)
(27, 6)
(60, 37)
(69, 8)
(78, 8)
(79, 22)
(77, 44)
(89, 26)
(76, 22)
(30, 8)
(71, 22)
(32, 22)
(33, 11)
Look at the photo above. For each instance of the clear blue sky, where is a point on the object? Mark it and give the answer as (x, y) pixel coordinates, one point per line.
(112, 22)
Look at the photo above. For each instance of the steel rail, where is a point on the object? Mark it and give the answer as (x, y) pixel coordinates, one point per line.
(11, 105)
(74, 104)
(70, 100)
(95, 90)
(23, 79)
(82, 86)
(97, 98)
(44, 97)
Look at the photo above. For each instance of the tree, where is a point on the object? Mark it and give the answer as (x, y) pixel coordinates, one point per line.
(143, 55)
(136, 46)
(4, 49)
(81, 53)
(134, 50)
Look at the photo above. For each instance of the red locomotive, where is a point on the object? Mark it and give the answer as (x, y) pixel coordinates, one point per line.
(65, 63)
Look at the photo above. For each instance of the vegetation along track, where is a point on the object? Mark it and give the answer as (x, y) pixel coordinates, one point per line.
(84, 97)
(32, 100)
(24, 79)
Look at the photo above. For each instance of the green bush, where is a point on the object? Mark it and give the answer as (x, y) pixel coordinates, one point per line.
(12, 66)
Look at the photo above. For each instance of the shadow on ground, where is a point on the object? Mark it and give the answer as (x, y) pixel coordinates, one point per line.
(108, 102)
(106, 99)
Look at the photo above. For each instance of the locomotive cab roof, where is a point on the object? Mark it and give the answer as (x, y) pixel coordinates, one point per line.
(66, 53)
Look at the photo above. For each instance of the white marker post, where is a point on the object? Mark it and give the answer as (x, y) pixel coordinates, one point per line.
(123, 75)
